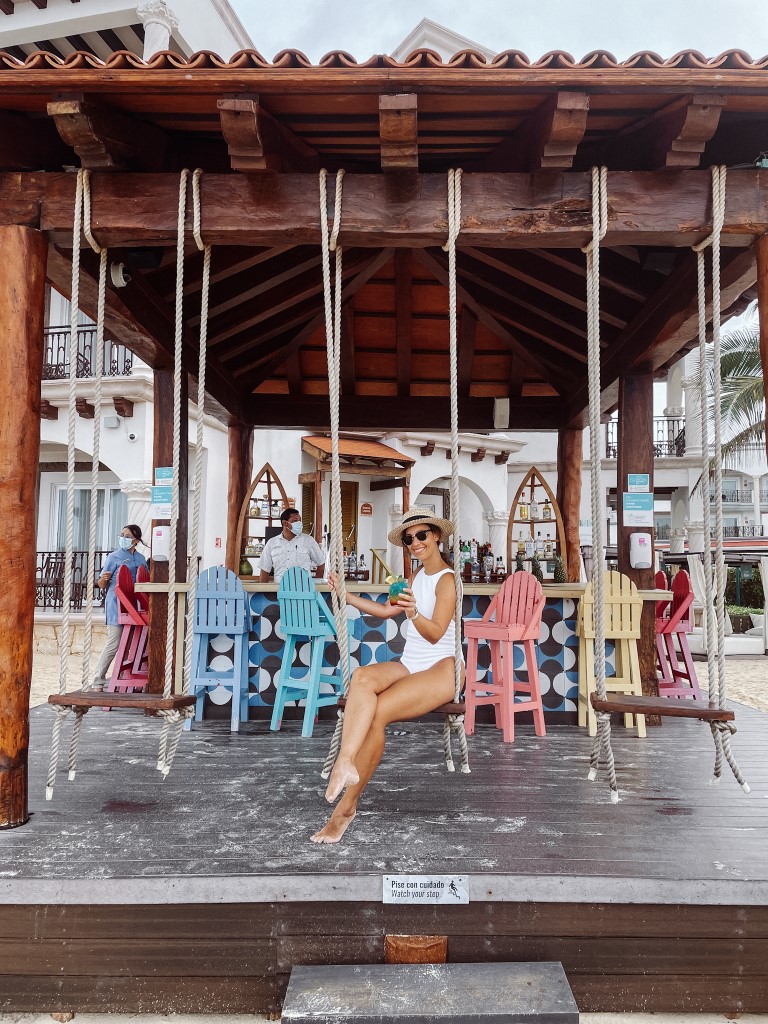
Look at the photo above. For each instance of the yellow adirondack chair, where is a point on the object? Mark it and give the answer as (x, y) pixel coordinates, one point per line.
(623, 607)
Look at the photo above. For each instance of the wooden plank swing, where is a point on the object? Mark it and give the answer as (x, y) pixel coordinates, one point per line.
(173, 708)
(714, 710)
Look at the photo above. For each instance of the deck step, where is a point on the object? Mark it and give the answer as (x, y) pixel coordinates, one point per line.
(512, 993)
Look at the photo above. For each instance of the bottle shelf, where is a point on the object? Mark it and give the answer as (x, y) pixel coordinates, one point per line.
(535, 490)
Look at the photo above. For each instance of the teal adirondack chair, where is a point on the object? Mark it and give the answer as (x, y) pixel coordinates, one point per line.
(221, 609)
(304, 615)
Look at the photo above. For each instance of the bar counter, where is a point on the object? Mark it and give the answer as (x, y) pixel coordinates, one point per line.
(374, 640)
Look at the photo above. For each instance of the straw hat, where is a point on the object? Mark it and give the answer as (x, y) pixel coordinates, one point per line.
(415, 517)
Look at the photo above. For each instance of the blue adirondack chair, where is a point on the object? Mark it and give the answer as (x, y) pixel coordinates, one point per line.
(304, 615)
(221, 608)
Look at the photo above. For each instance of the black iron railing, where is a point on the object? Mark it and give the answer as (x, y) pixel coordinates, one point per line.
(734, 497)
(741, 531)
(118, 361)
(49, 579)
(668, 438)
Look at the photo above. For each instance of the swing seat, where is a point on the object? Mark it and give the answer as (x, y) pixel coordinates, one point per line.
(130, 671)
(513, 616)
(304, 615)
(632, 704)
(149, 703)
(678, 675)
(221, 609)
(623, 606)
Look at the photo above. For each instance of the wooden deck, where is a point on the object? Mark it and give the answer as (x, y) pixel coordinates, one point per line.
(201, 891)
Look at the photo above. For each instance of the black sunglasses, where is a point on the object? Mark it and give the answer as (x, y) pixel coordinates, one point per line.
(421, 535)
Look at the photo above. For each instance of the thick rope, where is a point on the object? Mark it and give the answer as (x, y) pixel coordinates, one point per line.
(70, 507)
(454, 226)
(177, 371)
(721, 731)
(332, 302)
(599, 227)
(192, 573)
(98, 373)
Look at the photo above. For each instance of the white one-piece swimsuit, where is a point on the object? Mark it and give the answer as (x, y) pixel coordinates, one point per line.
(419, 654)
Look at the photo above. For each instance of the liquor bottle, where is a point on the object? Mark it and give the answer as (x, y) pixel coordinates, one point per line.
(473, 550)
(501, 572)
(539, 545)
(488, 563)
(534, 510)
(345, 563)
(464, 553)
(352, 565)
(361, 569)
(522, 510)
(548, 548)
(521, 544)
(530, 547)
(547, 511)
(475, 570)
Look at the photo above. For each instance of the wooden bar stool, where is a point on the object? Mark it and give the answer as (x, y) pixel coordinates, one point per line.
(513, 616)
(304, 614)
(662, 664)
(623, 606)
(680, 678)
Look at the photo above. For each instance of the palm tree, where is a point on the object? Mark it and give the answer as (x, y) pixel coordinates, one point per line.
(742, 387)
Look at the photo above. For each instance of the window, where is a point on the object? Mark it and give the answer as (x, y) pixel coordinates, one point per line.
(108, 525)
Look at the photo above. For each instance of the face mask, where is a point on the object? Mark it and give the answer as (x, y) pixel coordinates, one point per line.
(125, 542)
(296, 528)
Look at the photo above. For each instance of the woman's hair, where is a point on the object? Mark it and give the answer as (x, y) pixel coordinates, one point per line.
(135, 531)
(438, 536)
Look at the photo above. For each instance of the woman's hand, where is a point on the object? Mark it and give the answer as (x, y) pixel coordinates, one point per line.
(407, 603)
(333, 582)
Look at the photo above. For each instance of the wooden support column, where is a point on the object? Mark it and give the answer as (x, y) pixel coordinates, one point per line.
(635, 455)
(240, 473)
(761, 252)
(163, 456)
(569, 467)
(22, 306)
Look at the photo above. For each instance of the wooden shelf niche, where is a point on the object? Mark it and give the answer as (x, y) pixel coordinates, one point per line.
(261, 509)
(544, 527)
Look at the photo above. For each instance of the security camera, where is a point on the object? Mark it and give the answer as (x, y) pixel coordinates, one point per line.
(132, 436)
(119, 275)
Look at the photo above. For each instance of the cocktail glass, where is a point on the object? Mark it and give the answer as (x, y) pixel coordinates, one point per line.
(397, 584)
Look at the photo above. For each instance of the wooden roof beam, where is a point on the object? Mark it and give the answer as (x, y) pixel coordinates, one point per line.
(259, 142)
(429, 413)
(6, 6)
(673, 137)
(551, 211)
(548, 139)
(106, 139)
(398, 126)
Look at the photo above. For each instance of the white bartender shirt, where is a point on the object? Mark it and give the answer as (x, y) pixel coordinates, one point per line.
(280, 554)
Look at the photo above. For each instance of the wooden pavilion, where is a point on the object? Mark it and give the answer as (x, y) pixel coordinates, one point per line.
(525, 133)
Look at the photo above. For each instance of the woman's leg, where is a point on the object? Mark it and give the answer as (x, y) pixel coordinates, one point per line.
(362, 700)
(409, 697)
(107, 656)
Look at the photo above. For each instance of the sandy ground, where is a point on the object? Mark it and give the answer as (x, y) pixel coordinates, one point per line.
(747, 678)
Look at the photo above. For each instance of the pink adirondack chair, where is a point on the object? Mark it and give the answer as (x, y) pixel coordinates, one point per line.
(130, 670)
(680, 679)
(662, 664)
(513, 616)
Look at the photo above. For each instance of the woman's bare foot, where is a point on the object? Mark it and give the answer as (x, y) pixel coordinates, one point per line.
(344, 774)
(335, 827)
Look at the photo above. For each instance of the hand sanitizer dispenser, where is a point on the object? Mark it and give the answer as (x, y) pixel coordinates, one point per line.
(640, 550)
(161, 543)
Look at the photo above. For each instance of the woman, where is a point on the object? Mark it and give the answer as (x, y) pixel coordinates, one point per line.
(124, 554)
(393, 691)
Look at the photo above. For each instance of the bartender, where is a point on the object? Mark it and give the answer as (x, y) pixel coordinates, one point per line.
(290, 547)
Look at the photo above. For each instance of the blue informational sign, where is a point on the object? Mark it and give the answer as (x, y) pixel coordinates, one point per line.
(163, 474)
(638, 482)
(637, 509)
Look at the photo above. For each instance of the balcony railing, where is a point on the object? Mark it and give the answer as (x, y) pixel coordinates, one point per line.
(741, 531)
(734, 497)
(118, 361)
(668, 438)
(49, 579)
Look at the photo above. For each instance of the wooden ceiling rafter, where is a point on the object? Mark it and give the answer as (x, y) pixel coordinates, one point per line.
(228, 263)
(548, 139)
(617, 273)
(433, 263)
(403, 308)
(107, 139)
(398, 132)
(257, 141)
(365, 272)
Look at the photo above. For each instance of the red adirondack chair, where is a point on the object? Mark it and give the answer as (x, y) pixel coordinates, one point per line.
(513, 616)
(680, 679)
(130, 670)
